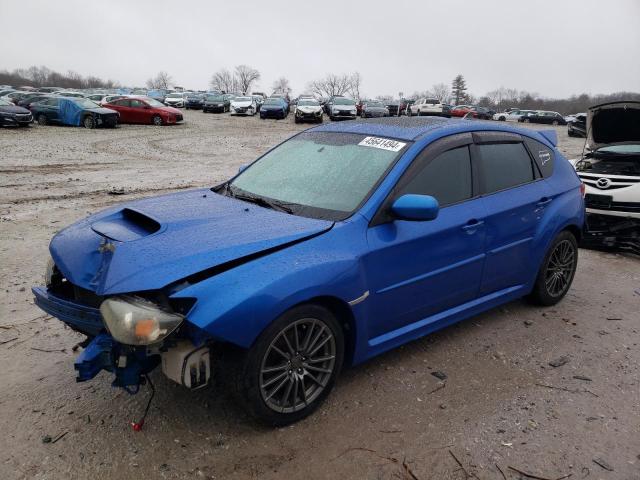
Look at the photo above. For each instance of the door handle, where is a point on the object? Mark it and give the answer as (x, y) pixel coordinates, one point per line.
(472, 225)
(544, 201)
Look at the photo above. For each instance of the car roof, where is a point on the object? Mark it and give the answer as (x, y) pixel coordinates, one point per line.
(411, 128)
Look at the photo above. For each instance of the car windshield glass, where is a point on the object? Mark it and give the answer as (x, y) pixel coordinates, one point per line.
(153, 103)
(174, 95)
(242, 99)
(375, 104)
(320, 174)
(273, 101)
(85, 103)
(308, 103)
(621, 149)
(343, 101)
(431, 101)
(215, 98)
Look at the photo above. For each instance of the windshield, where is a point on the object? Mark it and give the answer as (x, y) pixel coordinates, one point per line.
(432, 101)
(375, 105)
(273, 101)
(5, 103)
(174, 95)
(320, 174)
(308, 103)
(343, 101)
(215, 98)
(242, 99)
(153, 102)
(85, 103)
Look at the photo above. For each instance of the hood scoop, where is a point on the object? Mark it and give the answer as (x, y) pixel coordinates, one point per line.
(126, 225)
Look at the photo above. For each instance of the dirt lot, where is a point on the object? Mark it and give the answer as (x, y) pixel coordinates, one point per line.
(502, 405)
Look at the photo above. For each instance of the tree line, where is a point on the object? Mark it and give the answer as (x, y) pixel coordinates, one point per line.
(45, 77)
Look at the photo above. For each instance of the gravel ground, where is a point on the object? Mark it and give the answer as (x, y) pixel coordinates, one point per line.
(502, 405)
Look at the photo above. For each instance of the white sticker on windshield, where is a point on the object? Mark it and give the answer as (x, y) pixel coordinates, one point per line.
(383, 143)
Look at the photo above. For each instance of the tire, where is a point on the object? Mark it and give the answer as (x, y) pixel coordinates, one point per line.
(502, 119)
(409, 113)
(156, 120)
(554, 123)
(296, 120)
(320, 119)
(42, 119)
(332, 118)
(526, 120)
(570, 133)
(559, 263)
(88, 122)
(268, 395)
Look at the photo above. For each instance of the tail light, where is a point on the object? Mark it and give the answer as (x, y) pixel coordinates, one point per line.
(583, 190)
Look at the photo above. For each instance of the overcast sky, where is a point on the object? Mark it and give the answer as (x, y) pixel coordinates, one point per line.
(552, 47)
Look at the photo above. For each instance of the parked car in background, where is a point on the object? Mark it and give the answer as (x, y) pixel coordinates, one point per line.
(69, 94)
(259, 100)
(174, 100)
(194, 101)
(511, 115)
(429, 106)
(578, 126)
(15, 96)
(30, 98)
(404, 105)
(549, 118)
(308, 110)
(394, 108)
(145, 110)
(48, 89)
(373, 109)
(14, 116)
(216, 103)
(274, 107)
(611, 172)
(101, 98)
(342, 108)
(243, 106)
(73, 111)
(482, 113)
(461, 110)
(330, 241)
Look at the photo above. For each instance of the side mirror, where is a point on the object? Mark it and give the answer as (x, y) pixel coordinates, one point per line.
(415, 207)
(243, 167)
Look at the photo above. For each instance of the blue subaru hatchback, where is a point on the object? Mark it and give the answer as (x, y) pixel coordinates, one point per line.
(343, 242)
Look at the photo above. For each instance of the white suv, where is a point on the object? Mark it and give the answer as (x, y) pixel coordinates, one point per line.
(429, 106)
(610, 171)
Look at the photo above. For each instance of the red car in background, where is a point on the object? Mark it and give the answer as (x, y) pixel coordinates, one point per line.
(461, 110)
(144, 110)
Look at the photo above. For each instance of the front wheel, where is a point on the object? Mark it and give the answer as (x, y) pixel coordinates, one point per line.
(554, 123)
(88, 122)
(42, 119)
(557, 270)
(157, 120)
(293, 365)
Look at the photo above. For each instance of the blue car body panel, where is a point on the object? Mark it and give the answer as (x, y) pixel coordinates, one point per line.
(245, 265)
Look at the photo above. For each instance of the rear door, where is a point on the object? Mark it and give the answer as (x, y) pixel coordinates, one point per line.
(514, 197)
(416, 269)
(140, 111)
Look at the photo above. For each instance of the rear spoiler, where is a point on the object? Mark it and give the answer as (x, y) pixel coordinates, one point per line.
(550, 135)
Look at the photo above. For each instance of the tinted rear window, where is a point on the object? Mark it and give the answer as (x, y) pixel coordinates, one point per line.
(504, 165)
(447, 177)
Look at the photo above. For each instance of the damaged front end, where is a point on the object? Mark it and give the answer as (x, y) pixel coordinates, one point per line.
(612, 232)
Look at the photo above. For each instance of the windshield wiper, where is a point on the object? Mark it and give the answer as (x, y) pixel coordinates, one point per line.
(263, 202)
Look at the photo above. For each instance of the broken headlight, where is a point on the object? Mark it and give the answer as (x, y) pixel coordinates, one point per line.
(136, 321)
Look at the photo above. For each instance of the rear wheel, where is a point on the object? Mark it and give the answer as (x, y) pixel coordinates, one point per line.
(156, 120)
(557, 270)
(42, 119)
(292, 366)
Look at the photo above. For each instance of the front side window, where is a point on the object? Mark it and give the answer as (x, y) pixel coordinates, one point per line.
(137, 104)
(504, 165)
(447, 177)
(319, 174)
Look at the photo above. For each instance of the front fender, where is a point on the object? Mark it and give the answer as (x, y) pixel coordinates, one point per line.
(237, 305)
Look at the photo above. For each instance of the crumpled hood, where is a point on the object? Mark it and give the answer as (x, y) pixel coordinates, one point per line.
(102, 111)
(310, 108)
(243, 104)
(148, 244)
(615, 123)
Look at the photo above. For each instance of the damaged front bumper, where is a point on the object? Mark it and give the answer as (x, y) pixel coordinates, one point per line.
(609, 231)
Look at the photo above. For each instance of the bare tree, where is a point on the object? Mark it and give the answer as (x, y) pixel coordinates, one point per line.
(354, 88)
(161, 81)
(441, 92)
(331, 85)
(281, 85)
(246, 76)
(223, 81)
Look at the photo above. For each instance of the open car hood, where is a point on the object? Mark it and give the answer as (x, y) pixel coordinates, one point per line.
(151, 243)
(615, 123)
